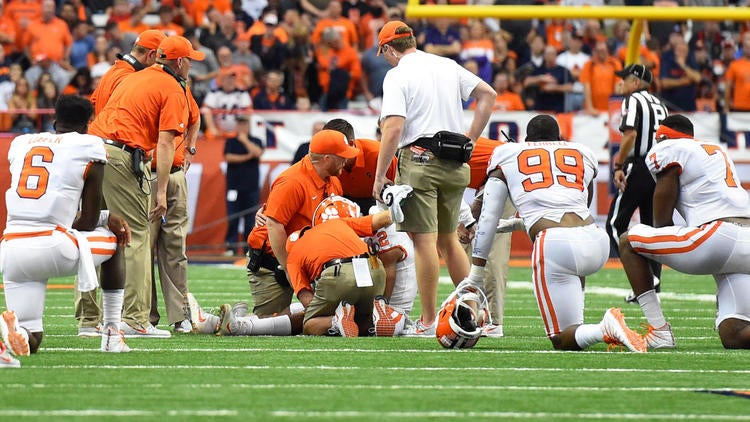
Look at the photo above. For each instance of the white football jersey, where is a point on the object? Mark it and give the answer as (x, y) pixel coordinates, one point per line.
(709, 186)
(546, 179)
(47, 176)
(405, 286)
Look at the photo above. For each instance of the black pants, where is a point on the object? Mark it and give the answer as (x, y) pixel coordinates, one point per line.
(638, 194)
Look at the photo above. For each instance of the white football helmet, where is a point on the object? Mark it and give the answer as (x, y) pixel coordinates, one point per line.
(461, 318)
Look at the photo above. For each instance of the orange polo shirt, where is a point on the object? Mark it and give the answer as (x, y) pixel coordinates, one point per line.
(358, 182)
(480, 159)
(338, 238)
(292, 200)
(109, 82)
(141, 106)
(8, 27)
(602, 78)
(739, 73)
(194, 113)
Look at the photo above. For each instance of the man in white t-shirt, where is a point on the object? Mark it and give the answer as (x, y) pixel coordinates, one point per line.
(45, 234)
(422, 97)
(699, 181)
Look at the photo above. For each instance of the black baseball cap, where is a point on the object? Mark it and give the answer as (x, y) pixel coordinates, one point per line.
(638, 70)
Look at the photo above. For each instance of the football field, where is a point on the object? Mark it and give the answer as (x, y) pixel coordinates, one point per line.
(518, 377)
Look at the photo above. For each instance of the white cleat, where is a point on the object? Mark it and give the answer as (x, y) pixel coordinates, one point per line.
(113, 340)
(6, 359)
(203, 322)
(660, 338)
(492, 331)
(419, 329)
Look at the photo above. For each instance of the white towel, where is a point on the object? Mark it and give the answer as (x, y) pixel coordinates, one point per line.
(87, 279)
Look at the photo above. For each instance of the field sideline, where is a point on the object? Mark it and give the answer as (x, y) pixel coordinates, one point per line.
(191, 377)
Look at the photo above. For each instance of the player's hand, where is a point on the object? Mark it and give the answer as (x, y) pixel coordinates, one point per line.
(260, 218)
(620, 180)
(508, 225)
(394, 197)
(120, 228)
(465, 236)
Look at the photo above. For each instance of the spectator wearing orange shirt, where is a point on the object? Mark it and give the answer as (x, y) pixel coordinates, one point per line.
(479, 47)
(23, 13)
(290, 205)
(166, 24)
(339, 70)
(339, 23)
(134, 24)
(49, 36)
(737, 86)
(138, 118)
(270, 49)
(260, 26)
(599, 80)
(7, 32)
(506, 100)
(244, 73)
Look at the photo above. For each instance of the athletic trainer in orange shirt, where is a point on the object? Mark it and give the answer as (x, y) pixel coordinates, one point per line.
(290, 206)
(358, 176)
(141, 56)
(146, 111)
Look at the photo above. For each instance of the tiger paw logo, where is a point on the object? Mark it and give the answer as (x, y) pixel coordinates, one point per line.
(330, 213)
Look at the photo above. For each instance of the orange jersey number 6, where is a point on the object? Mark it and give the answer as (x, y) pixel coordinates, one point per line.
(37, 173)
(569, 162)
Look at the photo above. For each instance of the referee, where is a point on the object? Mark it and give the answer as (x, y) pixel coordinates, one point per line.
(642, 113)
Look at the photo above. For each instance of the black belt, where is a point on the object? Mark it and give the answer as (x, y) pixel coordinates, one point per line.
(173, 170)
(339, 261)
(120, 145)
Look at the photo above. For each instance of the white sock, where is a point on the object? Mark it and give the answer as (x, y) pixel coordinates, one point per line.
(651, 307)
(296, 308)
(112, 306)
(589, 334)
(274, 326)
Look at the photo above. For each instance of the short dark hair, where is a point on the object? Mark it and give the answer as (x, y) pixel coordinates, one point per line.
(679, 123)
(542, 127)
(341, 125)
(72, 112)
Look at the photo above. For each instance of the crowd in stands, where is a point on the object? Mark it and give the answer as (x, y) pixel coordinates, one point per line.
(320, 54)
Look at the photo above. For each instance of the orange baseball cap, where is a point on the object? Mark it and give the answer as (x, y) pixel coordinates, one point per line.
(150, 39)
(388, 33)
(332, 142)
(175, 46)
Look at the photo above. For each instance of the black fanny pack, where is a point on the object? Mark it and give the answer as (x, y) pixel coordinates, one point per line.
(448, 146)
(258, 258)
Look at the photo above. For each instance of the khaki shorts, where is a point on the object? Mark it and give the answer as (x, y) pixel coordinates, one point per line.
(269, 297)
(438, 189)
(337, 283)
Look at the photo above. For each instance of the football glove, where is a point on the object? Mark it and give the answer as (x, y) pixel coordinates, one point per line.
(510, 224)
(394, 197)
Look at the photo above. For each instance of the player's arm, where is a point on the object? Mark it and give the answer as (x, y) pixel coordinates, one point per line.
(389, 259)
(665, 196)
(91, 198)
(277, 239)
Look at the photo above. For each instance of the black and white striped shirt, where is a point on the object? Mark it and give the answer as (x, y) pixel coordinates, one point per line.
(643, 112)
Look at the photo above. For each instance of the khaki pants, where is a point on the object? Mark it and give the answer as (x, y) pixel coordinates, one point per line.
(438, 189)
(496, 269)
(337, 283)
(168, 242)
(269, 297)
(124, 196)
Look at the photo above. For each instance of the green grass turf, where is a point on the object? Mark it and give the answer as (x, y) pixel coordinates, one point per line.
(192, 377)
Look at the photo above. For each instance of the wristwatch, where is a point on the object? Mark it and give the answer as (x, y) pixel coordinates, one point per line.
(191, 150)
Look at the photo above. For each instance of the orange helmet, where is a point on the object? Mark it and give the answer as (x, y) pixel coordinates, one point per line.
(461, 319)
(333, 207)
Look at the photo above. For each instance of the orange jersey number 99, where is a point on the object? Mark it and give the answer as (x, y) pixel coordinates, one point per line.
(35, 173)
(539, 162)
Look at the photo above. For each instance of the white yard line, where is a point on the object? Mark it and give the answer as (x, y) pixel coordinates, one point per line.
(116, 412)
(353, 414)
